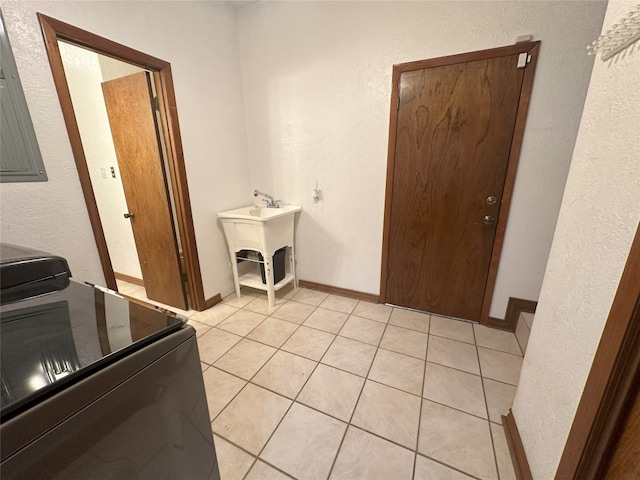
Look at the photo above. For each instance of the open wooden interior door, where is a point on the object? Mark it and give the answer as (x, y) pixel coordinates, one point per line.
(138, 149)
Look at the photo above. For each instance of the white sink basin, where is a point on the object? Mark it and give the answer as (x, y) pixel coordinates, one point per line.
(259, 228)
(264, 230)
(261, 214)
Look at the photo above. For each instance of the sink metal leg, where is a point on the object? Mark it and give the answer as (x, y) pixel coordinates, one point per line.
(234, 268)
(292, 266)
(268, 273)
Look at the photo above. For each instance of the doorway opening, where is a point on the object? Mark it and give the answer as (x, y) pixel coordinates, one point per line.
(455, 133)
(126, 181)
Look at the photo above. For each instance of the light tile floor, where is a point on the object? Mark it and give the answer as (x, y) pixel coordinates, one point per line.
(327, 387)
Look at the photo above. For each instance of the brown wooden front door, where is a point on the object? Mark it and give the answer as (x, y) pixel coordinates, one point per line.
(454, 131)
(137, 144)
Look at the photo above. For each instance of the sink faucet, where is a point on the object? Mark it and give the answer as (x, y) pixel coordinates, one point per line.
(271, 203)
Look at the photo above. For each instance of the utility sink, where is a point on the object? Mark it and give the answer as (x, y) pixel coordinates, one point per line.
(261, 214)
(264, 230)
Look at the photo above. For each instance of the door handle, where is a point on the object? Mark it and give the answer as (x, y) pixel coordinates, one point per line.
(488, 220)
(128, 215)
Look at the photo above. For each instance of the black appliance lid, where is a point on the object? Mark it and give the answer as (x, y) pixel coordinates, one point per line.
(26, 273)
(49, 342)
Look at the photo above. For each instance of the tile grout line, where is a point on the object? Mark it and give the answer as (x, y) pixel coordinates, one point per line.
(365, 379)
(288, 408)
(501, 351)
(424, 379)
(277, 349)
(475, 344)
(245, 380)
(245, 337)
(257, 341)
(458, 409)
(324, 413)
(349, 423)
(422, 398)
(486, 404)
(448, 466)
(357, 426)
(415, 452)
(317, 363)
(255, 460)
(347, 372)
(451, 467)
(302, 388)
(312, 327)
(257, 457)
(298, 325)
(335, 335)
(358, 375)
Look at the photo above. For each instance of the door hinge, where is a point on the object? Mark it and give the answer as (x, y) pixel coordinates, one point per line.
(523, 59)
(155, 104)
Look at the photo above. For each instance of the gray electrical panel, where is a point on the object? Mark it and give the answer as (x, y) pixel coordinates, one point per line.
(20, 159)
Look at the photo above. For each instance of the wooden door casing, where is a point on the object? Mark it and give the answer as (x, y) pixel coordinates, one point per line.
(625, 461)
(137, 145)
(455, 133)
(607, 416)
(53, 31)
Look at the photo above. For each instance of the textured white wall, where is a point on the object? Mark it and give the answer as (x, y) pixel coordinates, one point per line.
(199, 40)
(317, 86)
(598, 219)
(84, 76)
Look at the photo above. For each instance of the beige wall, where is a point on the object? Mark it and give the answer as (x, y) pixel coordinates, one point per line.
(317, 88)
(598, 219)
(199, 40)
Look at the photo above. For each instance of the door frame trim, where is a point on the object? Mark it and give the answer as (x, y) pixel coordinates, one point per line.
(532, 49)
(611, 385)
(54, 30)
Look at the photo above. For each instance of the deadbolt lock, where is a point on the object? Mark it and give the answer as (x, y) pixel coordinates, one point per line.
(488, 219)
(492, 200)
